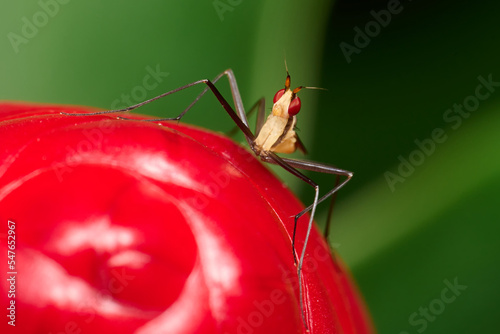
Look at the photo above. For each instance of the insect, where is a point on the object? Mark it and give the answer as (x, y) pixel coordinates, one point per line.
(273, 135)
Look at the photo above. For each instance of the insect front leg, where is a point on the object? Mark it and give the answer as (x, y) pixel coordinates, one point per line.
(239, 117)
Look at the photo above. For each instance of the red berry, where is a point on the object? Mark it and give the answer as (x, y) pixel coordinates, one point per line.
(131, 227)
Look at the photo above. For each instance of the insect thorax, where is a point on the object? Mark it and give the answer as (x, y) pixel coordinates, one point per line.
(277, 135)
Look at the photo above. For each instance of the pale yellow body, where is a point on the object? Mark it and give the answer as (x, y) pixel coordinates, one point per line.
(271, 136)
(272, 131)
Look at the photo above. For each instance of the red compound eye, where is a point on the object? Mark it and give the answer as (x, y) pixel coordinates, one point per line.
(294, 107)
(278, 95)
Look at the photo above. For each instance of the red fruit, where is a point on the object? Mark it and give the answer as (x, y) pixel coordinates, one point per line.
(135, 227)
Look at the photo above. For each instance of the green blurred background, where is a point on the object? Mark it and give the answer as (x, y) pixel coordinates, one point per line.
(405, 241)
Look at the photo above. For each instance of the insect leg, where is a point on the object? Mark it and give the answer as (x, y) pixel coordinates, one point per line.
(260, 104)
(273, 158)
(239, 117)
(261, 116)
(326, 233)
(135, 106)
(234, 90)
(321, 168)
(315, 167)
(292, 165)
(238, 103)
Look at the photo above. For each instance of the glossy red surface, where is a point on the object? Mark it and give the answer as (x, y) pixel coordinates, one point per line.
(135, 227)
